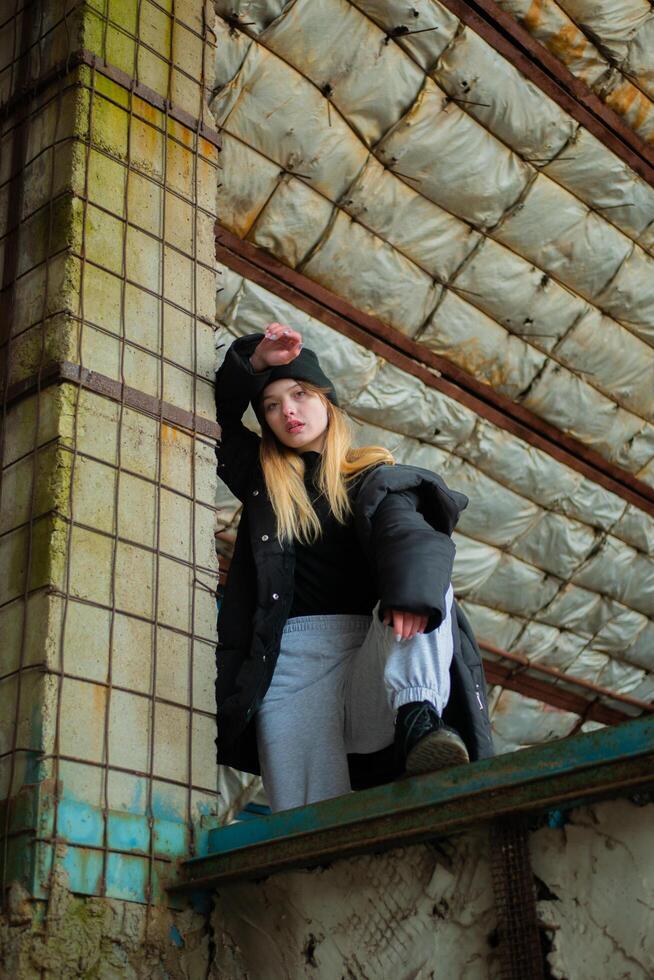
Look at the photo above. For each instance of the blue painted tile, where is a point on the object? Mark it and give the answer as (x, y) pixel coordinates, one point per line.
(170, 838)
(127, 877)
(128, 832)
(79, 823)
(84, 869)
(169, 802)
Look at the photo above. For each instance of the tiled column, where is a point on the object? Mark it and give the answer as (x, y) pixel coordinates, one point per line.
(107, 560)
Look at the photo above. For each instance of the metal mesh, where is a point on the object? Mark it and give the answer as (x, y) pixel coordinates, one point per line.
(107, 763)
(513, 885)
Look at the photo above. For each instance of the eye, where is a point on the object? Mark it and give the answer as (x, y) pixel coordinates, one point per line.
(270, 405)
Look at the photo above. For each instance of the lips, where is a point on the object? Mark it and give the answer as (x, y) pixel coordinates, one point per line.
(295, 427)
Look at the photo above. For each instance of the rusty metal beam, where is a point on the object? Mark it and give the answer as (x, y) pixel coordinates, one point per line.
(542, 68)
(559, 773)
(32, 87)
(524, 663)
(432, 369)
(547, 692)
(65, 372)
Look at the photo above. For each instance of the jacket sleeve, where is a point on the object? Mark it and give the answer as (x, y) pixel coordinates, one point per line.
(237, 453)
(413, 561)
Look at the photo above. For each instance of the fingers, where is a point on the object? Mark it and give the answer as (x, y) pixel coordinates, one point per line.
(405, 624)
(282, 334)
(280, 344)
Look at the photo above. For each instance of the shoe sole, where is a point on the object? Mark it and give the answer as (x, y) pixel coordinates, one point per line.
(436, 751)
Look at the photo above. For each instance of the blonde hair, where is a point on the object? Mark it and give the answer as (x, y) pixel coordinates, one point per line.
(340, 462)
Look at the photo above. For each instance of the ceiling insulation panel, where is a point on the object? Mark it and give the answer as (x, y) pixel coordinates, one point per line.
(609, 46)
(449, 198)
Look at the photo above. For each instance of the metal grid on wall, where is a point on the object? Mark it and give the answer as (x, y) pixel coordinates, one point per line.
(519, 939)
(106, 542)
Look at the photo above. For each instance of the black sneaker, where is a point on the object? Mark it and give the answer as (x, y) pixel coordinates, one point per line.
(423, 743)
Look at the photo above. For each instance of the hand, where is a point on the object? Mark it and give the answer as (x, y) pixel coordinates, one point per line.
(405, 624)
(280, 345)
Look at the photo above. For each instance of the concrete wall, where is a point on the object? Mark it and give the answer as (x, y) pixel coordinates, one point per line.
(421, 912)
(429, 911)
(99, 937)
(595, 883)
(107, 561)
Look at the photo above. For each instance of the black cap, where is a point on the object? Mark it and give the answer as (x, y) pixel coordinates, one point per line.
(304, 367)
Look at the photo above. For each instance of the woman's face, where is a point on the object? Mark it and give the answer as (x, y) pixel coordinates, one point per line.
(296, 416)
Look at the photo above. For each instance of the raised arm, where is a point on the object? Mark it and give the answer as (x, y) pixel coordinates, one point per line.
(247, 362)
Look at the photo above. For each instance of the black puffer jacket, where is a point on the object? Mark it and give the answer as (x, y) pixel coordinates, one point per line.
(404, 518)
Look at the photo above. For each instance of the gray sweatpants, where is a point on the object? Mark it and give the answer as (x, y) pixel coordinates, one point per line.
(338, 683)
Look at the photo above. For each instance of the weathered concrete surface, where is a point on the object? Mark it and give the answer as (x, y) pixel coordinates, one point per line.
(107, 563)
(420, 912)
(597, 892)
(100, 938)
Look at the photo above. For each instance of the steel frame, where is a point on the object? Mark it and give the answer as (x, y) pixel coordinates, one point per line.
(557, 774)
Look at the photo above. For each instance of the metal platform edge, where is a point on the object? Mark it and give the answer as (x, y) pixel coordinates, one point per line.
(604, 763)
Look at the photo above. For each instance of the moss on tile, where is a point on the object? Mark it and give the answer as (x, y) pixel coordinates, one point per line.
(120, 49)
(45, 554)
(153, 71)
(155, 28)
(56, 341)
(106, 182)
(92, 938)
(104, 239)
(51, 229)
(124, 13)
(92, 30)
(109, 127)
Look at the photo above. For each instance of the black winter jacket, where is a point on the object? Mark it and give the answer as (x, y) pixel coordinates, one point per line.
(404, 516)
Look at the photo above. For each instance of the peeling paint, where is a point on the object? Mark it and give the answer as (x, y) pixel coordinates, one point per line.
(99, 938)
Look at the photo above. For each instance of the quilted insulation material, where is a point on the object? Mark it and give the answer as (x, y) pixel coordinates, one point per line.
(423, 179)
(608, 45)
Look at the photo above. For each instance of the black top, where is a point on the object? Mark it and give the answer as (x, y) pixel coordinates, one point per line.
(332, 574)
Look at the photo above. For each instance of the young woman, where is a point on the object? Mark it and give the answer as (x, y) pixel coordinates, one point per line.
(343, 660)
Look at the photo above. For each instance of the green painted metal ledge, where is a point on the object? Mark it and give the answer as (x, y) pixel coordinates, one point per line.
(605, 763)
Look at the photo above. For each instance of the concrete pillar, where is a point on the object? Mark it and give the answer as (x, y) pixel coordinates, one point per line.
(107, 561)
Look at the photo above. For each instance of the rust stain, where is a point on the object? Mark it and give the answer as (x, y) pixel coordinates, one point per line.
(99, 698)
(208, 149)
(169, 434)
(534, 15)
(629, 101)
(147, 111)
(147, 141)
(622, 98)
(643, 108)
(186, 136)
(568, 44)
